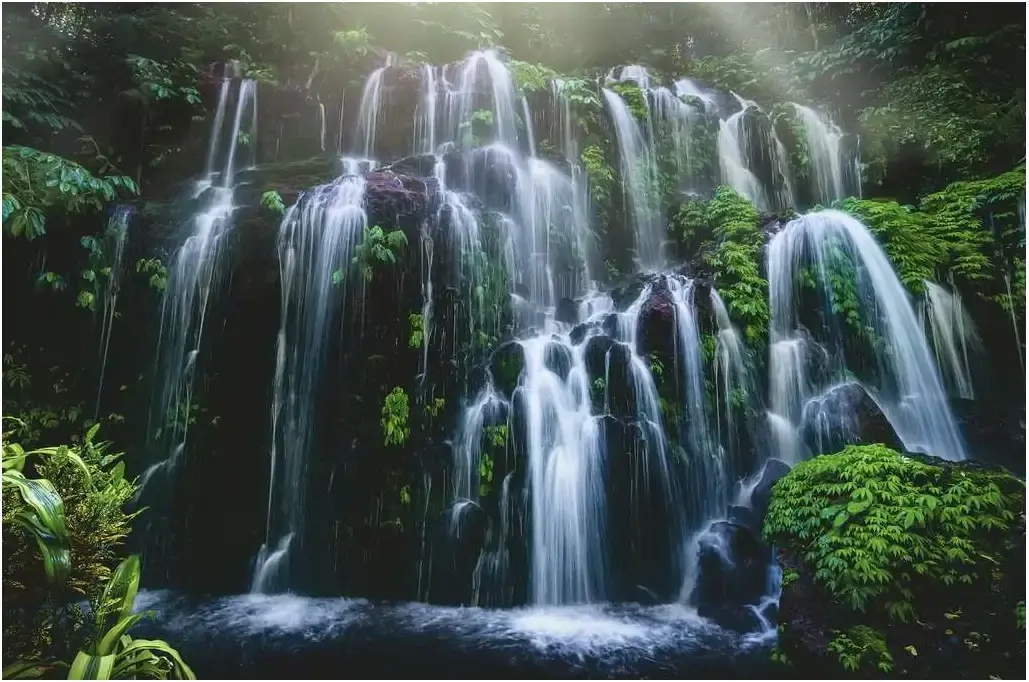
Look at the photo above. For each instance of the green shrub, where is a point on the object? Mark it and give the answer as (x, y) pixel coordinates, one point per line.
(736, 260)
(891, 535)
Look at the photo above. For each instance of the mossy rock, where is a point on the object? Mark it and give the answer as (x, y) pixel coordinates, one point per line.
(899, 564)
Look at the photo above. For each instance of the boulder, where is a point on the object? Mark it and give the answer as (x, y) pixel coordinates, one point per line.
(845, 414)
(744, 516)
(657, 323)
(731, 574)
(761, 495)
(567, 311)
(558, 359)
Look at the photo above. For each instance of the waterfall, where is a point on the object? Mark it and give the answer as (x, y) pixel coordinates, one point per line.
(566, 480)
(639, 182)
(834, 174)
(317, 240)
(115, 238)
(321, 125)
(370, 110)
(730, 369)
(954, 337)
(738, 154)
(907, 381)
(192, 280)
(425, 113)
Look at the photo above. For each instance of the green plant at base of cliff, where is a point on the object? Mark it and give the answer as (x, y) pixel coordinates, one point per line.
(876, 527)
(71, 515)
(395, 412)
(860, 644)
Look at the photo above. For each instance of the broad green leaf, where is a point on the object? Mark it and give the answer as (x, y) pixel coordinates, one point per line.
(25, 670)
(45, 522)
(179, 671)
(120, 593)
(109, 642)
(89, 667)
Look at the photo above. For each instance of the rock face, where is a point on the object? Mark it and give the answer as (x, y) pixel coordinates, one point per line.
(844, 415)
(994, 434)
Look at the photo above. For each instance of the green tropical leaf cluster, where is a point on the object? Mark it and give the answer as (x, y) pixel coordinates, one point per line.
(892, 535)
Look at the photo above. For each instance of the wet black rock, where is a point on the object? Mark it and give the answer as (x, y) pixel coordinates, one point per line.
(567, 311)
(578, 334)
(732, 570)
(744, 516)
(846, 414)
(761, 496)
(993, 433)
(596, 356)
(657, 330)
(506, 365)
(558, 359)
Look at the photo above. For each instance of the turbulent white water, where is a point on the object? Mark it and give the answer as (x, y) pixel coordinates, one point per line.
(907, 382)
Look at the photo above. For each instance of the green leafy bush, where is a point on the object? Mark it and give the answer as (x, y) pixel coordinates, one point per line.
(889, 534)
(736, 260)
(634, 98)
(417, 330)
(36, 183)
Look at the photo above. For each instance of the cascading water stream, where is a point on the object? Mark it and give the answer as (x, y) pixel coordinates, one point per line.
(116, 237)
(317, 240)
(639, 183)
(192, 279)
(907, 381)
(955, 340)
(737, 155)
(834, 173)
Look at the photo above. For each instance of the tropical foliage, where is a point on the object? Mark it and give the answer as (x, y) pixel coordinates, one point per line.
(899, 540)
(64, 519)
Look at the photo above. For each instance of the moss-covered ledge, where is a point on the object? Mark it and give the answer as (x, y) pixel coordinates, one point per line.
(899, 565)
